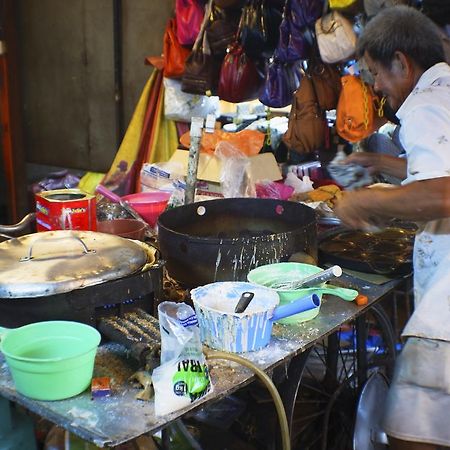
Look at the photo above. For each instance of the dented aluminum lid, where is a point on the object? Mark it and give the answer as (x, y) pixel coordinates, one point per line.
(55, 262)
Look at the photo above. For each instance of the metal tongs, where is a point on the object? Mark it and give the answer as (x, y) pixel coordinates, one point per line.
(311, 281)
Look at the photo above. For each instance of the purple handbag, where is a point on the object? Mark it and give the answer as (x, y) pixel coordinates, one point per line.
(292, 44)
(304, 13)
(281, 81)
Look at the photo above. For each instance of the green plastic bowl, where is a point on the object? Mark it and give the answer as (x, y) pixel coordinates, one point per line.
(288, 271)
(51, 360)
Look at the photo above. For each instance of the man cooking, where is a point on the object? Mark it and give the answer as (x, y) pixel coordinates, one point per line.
(404, 52)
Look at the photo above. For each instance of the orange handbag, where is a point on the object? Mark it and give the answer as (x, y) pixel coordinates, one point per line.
(360, 111)
(174, 53)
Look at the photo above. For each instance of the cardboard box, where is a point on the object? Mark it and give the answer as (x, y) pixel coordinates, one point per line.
(262, 166)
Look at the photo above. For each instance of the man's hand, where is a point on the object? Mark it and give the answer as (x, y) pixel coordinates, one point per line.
(379, 163)
(353, 209)
(369, 160)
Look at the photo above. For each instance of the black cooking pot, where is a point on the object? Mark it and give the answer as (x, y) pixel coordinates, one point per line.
(222, 240)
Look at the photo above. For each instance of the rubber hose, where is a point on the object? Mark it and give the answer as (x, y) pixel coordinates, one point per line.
(284, 427)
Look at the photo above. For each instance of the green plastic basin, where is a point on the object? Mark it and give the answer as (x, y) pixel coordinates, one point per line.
(51, 360)
(288, 271)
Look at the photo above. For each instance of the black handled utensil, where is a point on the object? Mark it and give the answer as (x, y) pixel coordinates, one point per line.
(243, 302)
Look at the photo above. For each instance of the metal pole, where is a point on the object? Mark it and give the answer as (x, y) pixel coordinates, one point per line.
(194, 153)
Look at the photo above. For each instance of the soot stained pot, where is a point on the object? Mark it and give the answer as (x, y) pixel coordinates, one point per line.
(222, 240)
(67, 275)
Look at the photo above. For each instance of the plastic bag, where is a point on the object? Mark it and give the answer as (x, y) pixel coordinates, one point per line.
(248, 142)
(180, 106)
(183, 375)
(56, 180)
(233, 173)
(274, 190)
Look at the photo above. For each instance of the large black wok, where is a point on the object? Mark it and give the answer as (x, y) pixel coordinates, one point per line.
(222, 240)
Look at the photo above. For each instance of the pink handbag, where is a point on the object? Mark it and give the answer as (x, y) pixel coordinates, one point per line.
(189, 16)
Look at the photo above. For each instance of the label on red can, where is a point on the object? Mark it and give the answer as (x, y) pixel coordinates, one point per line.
(65, 209)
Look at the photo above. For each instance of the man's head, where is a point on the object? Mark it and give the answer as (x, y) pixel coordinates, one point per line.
(399, 44)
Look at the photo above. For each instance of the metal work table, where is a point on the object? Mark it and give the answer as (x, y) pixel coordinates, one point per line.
(113, 420)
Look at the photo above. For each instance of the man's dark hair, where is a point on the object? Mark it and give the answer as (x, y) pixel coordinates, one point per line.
(403, 29)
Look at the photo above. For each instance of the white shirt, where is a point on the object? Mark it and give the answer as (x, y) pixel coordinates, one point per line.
(425, 136)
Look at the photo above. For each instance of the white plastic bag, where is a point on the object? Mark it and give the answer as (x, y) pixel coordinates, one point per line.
(180, 106)
(183, 375)
(234, 178)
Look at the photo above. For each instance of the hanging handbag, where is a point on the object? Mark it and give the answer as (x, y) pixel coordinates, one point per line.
(360, 111)
(221, 30)
(239, 79)
(174, 54)
(335, 38)
(292, 44)
(280, 83)
(228, 3)
(304, 13)
(327, 81)
(259, 28)
(189, 16)
(307, 126)
(201, 71)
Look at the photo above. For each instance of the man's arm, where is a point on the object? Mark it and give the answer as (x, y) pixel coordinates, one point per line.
(380, 163)
(418, 201)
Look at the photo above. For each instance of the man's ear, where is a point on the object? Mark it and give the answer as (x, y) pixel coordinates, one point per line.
(401, 64)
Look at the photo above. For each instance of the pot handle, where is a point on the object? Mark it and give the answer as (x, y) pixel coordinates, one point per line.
(30, 251)
(297, 306)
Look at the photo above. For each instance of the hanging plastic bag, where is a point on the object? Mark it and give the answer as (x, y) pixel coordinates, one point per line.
(180, 106)
(233, 174)
(183, 375)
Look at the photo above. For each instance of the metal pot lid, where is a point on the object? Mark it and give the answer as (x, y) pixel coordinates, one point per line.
(54, 262)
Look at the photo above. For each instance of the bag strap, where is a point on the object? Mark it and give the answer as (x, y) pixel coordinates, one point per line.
(200, 39)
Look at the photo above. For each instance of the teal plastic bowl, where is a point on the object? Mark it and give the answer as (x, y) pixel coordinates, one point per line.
(51, 360)
(289, 271)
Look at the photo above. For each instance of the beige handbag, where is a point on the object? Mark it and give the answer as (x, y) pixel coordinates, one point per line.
(335, 38)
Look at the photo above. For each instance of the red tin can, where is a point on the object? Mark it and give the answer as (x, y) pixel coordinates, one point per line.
(65, 209)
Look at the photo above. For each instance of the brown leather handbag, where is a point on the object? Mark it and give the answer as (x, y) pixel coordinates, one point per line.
(327, 83)
(201, 71)
(221, 30)
(307, 126)
(174, 54)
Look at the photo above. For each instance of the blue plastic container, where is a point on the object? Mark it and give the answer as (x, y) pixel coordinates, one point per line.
(223, 329)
